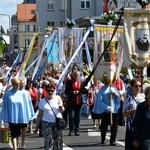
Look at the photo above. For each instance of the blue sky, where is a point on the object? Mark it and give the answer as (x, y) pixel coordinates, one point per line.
(8, 7)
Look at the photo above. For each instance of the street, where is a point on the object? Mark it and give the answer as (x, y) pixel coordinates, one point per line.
(89, 139)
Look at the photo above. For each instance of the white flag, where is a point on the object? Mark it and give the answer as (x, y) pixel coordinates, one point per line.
(69, 40)
(136, 37)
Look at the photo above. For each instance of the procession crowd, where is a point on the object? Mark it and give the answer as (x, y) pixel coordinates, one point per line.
(120, 103)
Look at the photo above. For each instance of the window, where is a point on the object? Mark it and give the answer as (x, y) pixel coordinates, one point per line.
(63, 4)
(50, 4)
(28, 42)
(62, 23)
(51, 24)
(85, 4)
(32, 11)
(28, 28)
(34, 28)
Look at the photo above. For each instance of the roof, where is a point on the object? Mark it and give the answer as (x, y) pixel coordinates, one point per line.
(24, 12)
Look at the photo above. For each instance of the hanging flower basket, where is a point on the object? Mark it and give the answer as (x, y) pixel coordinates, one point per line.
(109, 16)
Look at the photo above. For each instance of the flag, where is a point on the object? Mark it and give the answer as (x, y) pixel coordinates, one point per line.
(29, 52)
(43, 54)
(69, 40)
(111, 62)
(52, 52)
(136, 37)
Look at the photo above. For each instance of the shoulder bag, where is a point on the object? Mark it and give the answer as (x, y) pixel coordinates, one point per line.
(60, 122)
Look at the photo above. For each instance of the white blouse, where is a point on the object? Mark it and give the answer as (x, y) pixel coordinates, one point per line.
(48, 114)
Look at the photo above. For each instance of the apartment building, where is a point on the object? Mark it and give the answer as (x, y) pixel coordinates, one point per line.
(26, 16)
(54, 12)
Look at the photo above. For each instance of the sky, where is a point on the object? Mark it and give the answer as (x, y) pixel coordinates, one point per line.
(9, 8)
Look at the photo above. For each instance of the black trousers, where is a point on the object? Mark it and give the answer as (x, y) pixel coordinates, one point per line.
(129, 140)
(104, 125)
(74, 117)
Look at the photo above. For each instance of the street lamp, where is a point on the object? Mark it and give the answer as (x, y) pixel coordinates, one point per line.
(8, 17)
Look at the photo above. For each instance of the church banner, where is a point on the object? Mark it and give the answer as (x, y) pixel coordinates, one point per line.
(111, 62)
(69, 40)
(136, 37)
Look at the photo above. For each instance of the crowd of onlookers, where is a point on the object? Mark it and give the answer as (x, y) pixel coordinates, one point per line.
(109, 104)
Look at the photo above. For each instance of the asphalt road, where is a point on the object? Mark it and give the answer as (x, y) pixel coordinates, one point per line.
(89, 139)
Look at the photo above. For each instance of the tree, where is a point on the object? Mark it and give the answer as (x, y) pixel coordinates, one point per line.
(2, 30)
(2, 47)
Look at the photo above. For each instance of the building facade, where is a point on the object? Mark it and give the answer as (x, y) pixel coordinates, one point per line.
(54, 12)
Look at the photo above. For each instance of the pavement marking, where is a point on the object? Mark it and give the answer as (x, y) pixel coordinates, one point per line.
(93, 132)
(66, 148)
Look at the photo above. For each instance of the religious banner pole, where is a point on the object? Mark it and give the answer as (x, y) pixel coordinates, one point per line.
(111, 115)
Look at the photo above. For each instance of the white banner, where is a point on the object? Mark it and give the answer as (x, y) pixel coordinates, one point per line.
(111, 62)
(69, 40)
(136, 37)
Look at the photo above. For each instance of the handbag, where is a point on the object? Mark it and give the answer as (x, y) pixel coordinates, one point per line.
(60, 122)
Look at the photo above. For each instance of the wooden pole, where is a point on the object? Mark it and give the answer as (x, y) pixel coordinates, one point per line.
(111, 116)
(142, 78)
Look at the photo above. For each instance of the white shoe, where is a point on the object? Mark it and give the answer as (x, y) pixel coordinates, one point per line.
(89, 117)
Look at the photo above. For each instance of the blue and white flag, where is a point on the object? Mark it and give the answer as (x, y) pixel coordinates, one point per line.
(52, 52)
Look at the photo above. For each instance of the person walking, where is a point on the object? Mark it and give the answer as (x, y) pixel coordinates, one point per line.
(33, 94)
(41, 95)
(141, 125)
(129, 110)
(23, 129)
(17, 110)
(53, 138)
(74, 101)
(107, 104)
(118, 83)
(92, 95)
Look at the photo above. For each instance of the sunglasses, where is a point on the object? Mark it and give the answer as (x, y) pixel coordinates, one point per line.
(137, 86)
(50, 90)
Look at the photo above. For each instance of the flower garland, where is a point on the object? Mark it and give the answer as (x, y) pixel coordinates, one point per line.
(70, 23)
(109, 16)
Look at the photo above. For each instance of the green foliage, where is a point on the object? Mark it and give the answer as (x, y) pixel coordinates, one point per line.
(2, 47)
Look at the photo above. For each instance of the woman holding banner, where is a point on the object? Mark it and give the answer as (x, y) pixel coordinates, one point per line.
(108, 110)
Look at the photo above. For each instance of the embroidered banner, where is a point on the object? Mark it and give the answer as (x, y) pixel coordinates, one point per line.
(111, 62)
(69, 40)
(136, 37)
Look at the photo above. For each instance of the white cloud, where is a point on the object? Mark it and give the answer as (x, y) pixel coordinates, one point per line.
(8, 7)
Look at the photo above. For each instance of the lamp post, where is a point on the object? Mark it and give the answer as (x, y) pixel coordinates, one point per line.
(8, 18)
